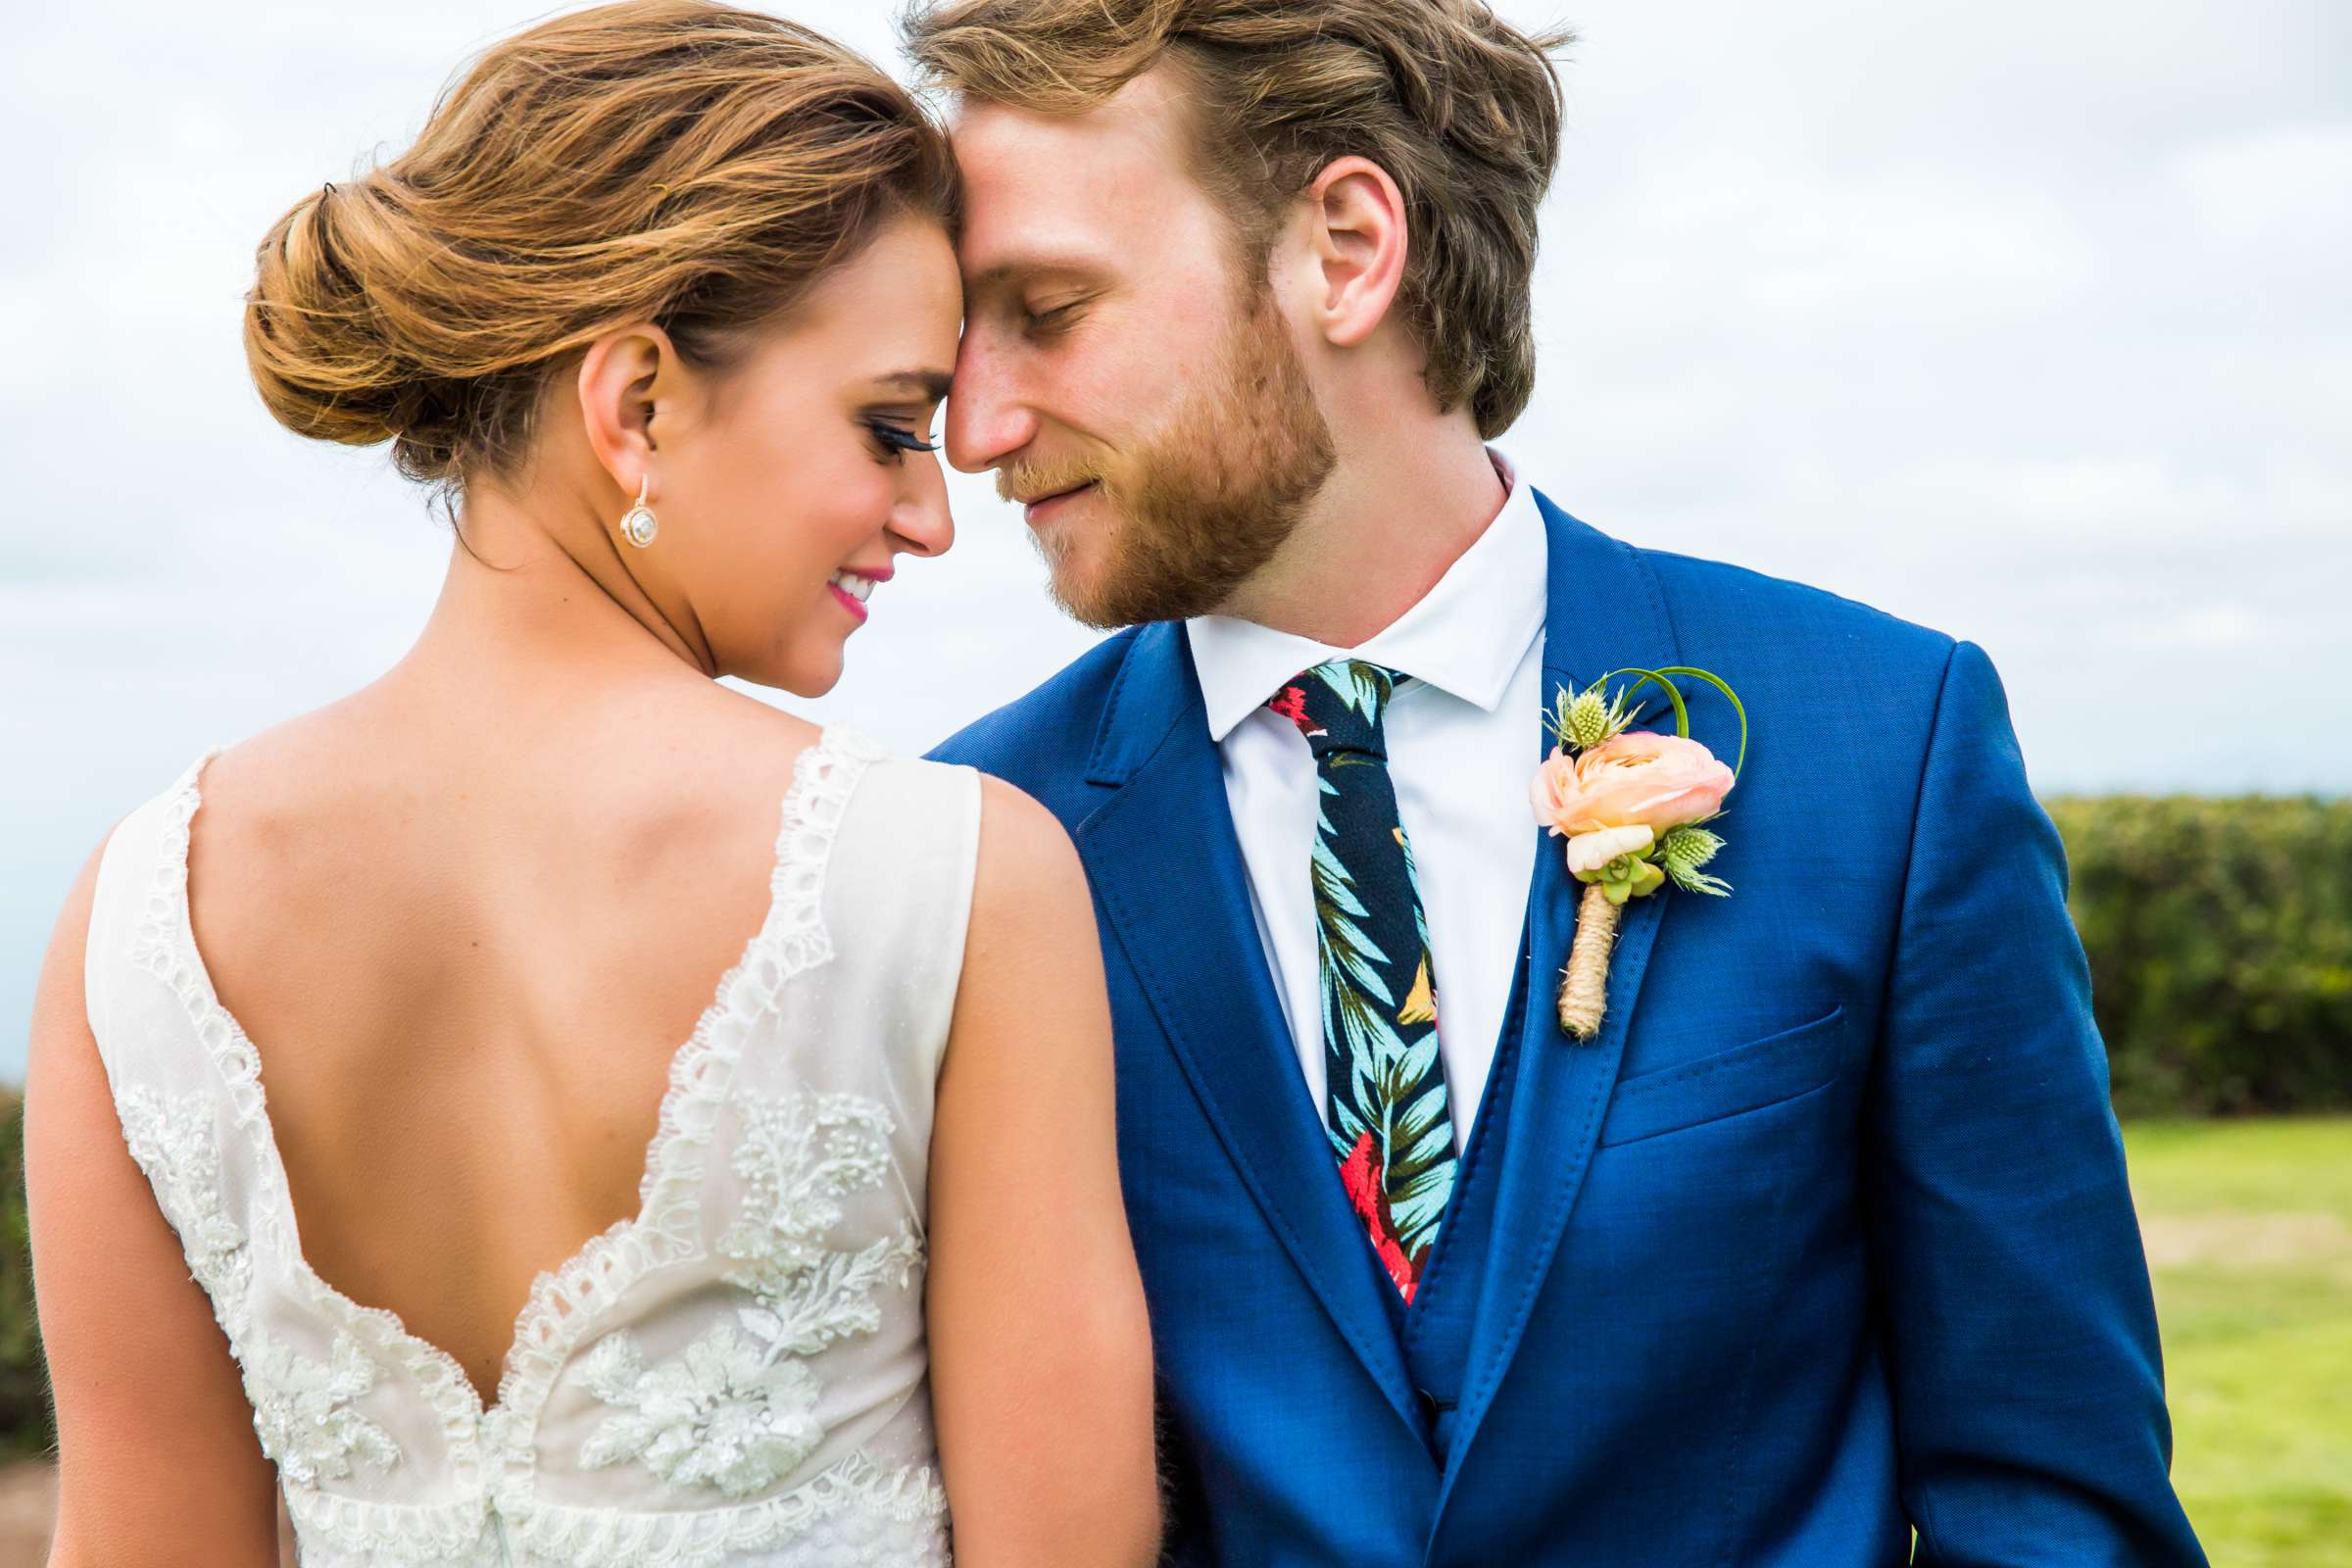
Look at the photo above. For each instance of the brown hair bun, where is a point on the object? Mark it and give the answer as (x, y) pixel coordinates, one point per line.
(672, 161)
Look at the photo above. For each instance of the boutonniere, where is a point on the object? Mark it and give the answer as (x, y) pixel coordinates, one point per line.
(1631, 805)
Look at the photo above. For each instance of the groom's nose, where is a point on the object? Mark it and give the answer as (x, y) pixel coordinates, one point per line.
(989, 414)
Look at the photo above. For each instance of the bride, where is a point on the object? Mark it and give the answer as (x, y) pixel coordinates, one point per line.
(547, 1107)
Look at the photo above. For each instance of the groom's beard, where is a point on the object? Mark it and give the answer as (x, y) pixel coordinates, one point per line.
(1204, 502)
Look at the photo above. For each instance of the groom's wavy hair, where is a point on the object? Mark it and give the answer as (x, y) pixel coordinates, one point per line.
(676, 162)
(1461, 109)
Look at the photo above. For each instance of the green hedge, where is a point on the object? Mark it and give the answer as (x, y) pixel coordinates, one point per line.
(2220, 937)
(24, 1424)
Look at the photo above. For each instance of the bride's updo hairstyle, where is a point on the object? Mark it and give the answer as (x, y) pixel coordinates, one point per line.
(668, 161)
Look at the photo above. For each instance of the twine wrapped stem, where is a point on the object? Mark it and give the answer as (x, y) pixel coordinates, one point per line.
(1584, 987)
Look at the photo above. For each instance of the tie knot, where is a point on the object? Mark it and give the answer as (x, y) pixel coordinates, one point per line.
(1339, 706)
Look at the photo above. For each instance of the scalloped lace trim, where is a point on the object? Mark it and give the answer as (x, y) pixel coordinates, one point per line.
(563, 1301)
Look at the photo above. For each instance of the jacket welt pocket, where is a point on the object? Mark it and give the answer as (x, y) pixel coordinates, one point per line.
(1724, 1083)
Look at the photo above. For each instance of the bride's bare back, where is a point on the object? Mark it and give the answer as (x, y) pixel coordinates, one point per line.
(466, 961)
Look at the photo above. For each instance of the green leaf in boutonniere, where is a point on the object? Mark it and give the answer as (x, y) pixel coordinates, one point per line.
(1628, 876)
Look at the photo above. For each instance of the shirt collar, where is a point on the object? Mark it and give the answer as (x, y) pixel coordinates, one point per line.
(1466, 636)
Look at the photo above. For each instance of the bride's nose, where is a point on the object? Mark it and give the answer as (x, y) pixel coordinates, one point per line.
(920, 523)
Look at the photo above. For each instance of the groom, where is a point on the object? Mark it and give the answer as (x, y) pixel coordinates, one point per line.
(1824, 1236)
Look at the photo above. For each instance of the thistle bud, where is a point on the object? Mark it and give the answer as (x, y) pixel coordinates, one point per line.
(1683, 851)
(1588, 720)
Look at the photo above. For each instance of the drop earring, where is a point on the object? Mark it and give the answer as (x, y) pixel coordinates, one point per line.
(639, 524)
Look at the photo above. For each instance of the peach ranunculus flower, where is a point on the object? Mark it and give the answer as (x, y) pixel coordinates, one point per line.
(1621, 794)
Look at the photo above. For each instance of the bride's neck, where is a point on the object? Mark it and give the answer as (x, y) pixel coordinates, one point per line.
(538, 592)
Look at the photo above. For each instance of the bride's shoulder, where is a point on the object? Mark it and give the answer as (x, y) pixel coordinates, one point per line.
(269, 792)
(1026, 874)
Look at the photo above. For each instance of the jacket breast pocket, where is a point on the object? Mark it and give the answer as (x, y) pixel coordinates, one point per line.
(1747, 1077)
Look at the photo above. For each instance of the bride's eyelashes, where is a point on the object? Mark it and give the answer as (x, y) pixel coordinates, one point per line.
(895, 441)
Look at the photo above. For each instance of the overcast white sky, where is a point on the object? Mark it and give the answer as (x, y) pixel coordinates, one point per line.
(2025, 321)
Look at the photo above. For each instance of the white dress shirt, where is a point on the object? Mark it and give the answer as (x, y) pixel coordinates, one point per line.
(1463, 744)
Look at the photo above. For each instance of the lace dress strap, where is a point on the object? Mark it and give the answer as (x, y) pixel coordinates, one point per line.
(899, 899)
(181, 1115)
(186, 1083)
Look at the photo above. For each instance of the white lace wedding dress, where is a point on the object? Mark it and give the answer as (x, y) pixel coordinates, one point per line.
(736, 1375)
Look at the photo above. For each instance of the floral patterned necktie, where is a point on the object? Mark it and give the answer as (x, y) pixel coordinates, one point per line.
(1390, 1128)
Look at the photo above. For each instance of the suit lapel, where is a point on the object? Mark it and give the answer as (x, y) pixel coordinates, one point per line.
(1604, 614)
(1167, 869)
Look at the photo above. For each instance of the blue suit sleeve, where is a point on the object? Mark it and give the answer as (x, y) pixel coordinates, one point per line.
(2020, 1327)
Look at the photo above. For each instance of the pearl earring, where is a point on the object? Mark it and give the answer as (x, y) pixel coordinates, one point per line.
(640, 526)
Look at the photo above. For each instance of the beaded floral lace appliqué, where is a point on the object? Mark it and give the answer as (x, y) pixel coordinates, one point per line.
(302, 1409)
(175, 1144)
(736, 1409)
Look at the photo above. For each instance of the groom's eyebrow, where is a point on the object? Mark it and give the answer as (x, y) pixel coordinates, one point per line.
(996, 277)
(1023, 269)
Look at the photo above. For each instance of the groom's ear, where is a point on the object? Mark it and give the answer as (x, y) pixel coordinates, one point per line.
(1357, 231)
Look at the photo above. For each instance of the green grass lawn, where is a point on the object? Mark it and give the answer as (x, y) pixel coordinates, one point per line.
(2248, 1228)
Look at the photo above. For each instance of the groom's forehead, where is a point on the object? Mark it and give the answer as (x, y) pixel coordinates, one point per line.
(1034, 181)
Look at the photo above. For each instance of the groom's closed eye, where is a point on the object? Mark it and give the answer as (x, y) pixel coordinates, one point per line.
(1045, 321)
(1030, 287)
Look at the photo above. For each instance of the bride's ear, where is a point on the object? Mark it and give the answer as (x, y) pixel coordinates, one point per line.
(628, 380)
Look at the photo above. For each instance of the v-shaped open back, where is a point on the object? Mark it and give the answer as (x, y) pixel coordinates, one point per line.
(735, 1373)
(690, 1057)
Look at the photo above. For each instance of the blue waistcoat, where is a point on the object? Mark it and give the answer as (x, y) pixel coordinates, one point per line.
(1824, 1238)
(1434, 1332)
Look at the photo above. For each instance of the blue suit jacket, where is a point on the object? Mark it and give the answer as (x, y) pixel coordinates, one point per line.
(1824, 1236)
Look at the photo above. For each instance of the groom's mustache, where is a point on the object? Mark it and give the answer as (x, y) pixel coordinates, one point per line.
(1030, 482)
